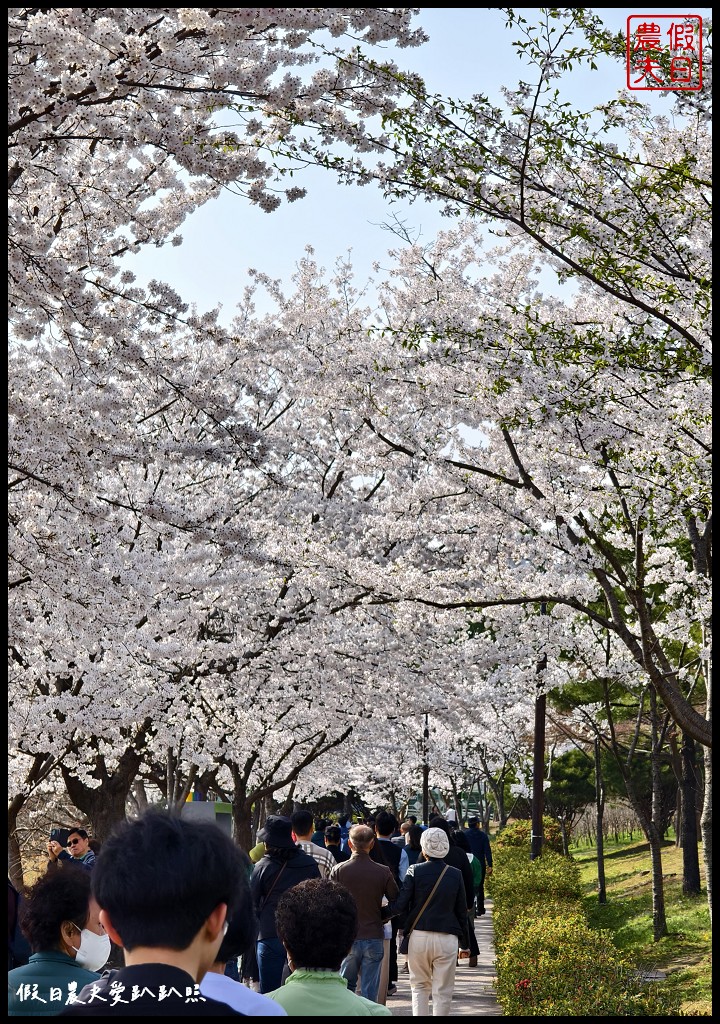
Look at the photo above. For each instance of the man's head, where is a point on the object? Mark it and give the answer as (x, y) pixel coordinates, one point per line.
(473, 822)
(414, 836)
(78, 842)
(361, 838)
(302, 824)
(385, 823)
(332, 835)
(164, 882)
(316, 921)
(440, 822)
(461, 840)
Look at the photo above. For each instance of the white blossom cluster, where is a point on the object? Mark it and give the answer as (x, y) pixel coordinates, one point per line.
(116, 131)
(265, 553)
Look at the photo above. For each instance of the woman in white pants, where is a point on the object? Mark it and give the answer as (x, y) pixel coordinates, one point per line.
(432, 911)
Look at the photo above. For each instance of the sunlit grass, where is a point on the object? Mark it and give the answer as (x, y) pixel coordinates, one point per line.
(685, 953)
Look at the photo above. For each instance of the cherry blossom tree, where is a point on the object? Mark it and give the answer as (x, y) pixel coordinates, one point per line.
(234, 549)
(614, 202)
(116, 134)
(580, 493)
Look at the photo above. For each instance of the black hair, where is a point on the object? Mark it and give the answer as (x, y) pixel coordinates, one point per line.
(414, 833)
(242, 929)
(461, 840)
(282, 852)
(385, 823)
(161, 876)
(302, 822)
(333, 833)
(60, 895)
(317, 921)
(440, 822)
(78, 831)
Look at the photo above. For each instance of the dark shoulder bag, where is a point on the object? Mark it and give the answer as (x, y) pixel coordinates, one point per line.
(403, 948)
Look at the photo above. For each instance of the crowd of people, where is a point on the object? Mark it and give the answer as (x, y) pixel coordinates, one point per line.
(314, 920)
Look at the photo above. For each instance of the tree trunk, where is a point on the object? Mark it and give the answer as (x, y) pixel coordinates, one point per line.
(425, 775)
(647, 822)
(498, 791)
(456, 802)
(564, 835)
(42, 766)
(242, 826)
(138, 797)
(241, 810)
(660, 929)
(706, 826)
(15, 867)
(104, 805)
(688, 830)
(599, 825)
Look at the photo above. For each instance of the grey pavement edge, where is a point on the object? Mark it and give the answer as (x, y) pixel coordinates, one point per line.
(474, 986)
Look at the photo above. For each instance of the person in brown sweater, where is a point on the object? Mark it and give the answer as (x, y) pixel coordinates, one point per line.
(368, 882)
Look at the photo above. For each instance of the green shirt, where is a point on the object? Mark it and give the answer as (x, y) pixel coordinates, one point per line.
(46, 984)
(308, 993)
(477, 870)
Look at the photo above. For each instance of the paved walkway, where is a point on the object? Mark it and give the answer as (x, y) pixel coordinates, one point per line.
(474, 986)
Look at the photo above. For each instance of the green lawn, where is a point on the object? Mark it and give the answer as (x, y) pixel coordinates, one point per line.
(685, 955)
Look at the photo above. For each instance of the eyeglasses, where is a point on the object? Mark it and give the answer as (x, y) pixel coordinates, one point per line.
(74, 842)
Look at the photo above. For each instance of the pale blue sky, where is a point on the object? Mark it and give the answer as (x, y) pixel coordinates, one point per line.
(469, 51)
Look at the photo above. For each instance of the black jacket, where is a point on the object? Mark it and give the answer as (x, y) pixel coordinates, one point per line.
(480, 846)
(457, 858)
(136, 993)
(267, 885)
(385, 852)
(447, 910)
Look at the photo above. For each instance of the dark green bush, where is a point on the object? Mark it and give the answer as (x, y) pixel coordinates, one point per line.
(550, 963)
(554, 966)
(520, 886)
(519, 832)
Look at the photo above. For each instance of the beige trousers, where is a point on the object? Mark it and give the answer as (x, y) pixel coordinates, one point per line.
(384, 973)
(432, 957)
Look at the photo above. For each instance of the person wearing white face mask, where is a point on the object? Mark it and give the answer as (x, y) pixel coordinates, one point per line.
(94, 948)
(167, 888)
(69, 946)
